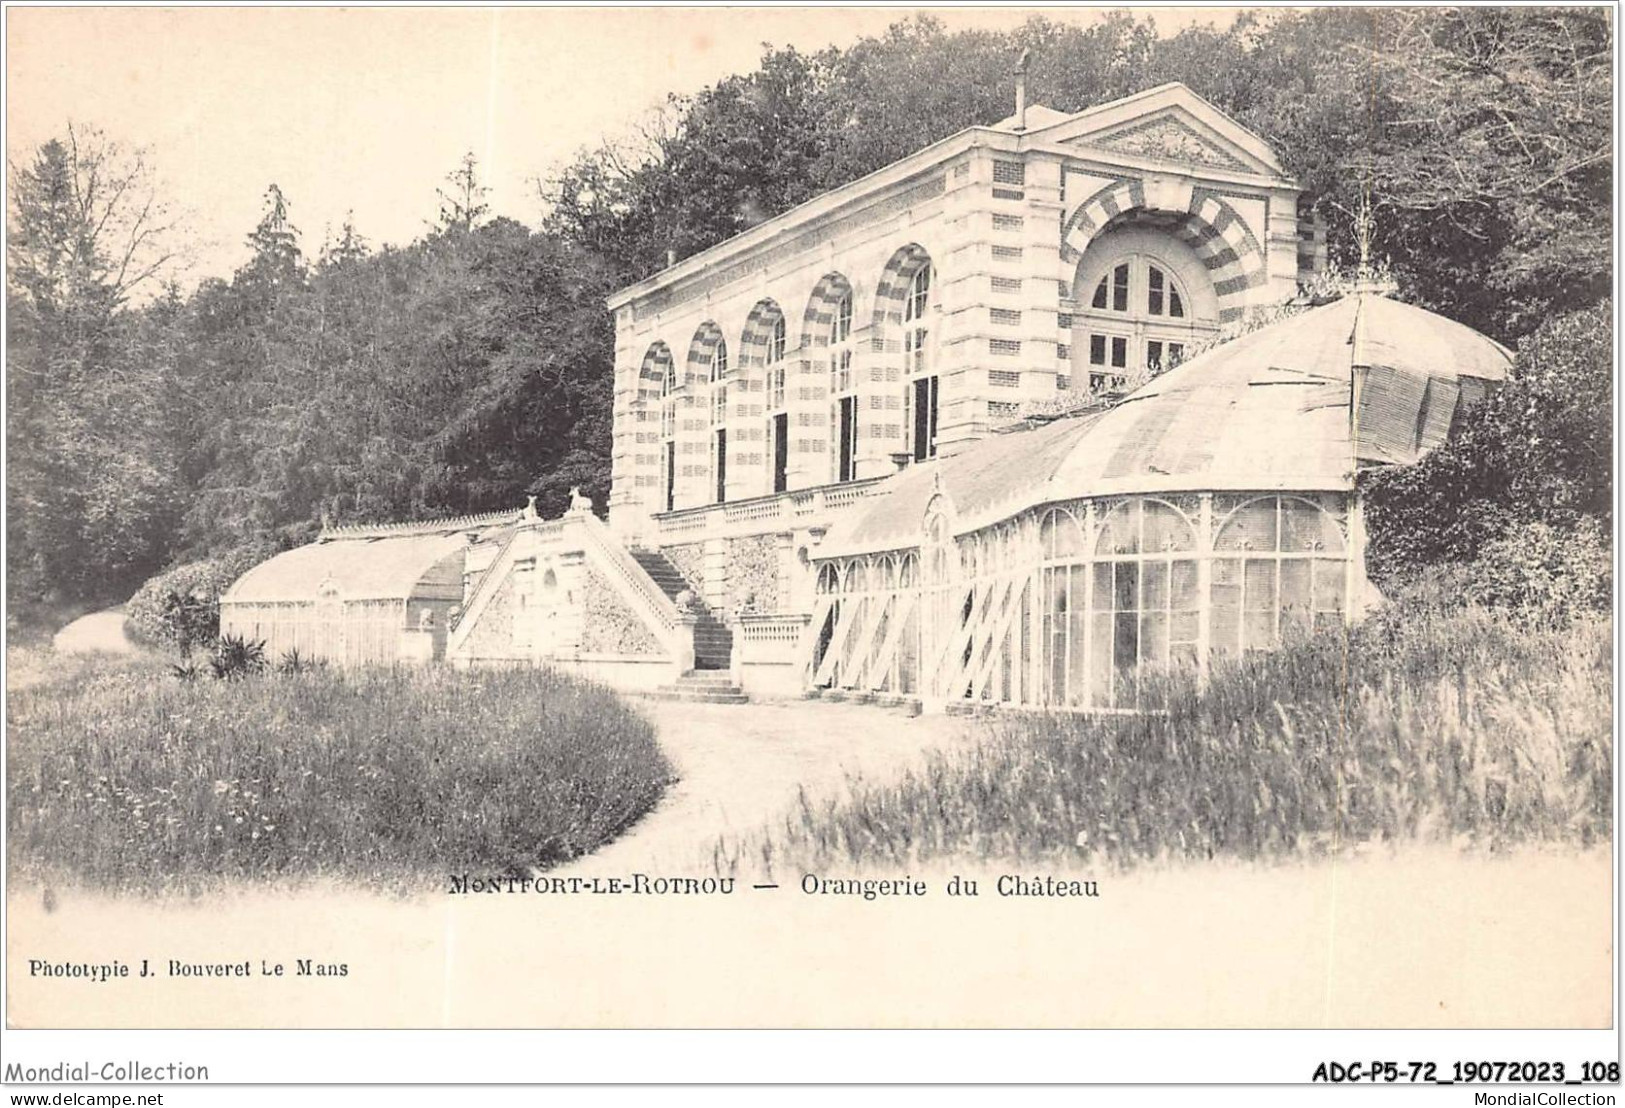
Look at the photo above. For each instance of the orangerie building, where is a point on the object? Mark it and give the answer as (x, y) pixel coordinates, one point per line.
(948, 433)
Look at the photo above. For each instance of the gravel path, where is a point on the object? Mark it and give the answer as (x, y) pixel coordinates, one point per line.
(742, 765)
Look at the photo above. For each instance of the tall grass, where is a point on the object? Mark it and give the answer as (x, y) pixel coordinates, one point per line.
(1422, 724)
(134, 780)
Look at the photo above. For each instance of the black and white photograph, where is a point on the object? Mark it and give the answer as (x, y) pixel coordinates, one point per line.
(812, 519)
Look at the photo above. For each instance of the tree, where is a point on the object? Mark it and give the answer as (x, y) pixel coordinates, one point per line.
(464, 206)
(90, 474)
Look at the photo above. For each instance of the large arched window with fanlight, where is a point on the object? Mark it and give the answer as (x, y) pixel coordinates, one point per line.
(1145, 301)
(1280, 570)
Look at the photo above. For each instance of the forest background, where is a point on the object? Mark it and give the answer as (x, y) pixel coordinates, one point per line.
(150, 425)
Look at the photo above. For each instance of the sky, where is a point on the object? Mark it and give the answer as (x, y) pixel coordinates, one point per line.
(368, 109)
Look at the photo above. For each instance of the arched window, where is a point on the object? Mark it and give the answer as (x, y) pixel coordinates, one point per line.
(778, 420)
(842, 390)
(1138, 321)
(1280, 570)
(668, 434)
(1145, 599)
(920, 399)
(719, 418)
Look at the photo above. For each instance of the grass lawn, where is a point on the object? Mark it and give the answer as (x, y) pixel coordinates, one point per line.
(122, 777)
(1419, 725)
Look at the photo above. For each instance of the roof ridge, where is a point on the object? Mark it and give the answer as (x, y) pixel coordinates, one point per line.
(332, 532)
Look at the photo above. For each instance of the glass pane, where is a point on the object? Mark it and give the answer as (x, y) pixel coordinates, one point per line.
(1185, 627)
(1153, 355)
(1061, 535)
(1252, 527)
(1226, 571)
(1125, 658)
(1186, 586)
(1224, 622)
(1258, 630)
(1126, 594)
(1119, 353)
(1120, 288)
(1176, 306)
(1120, 533)
(1100, 295)
(1055, 586)
(1295, 586)
(1154, 586)
(1100, 660)
(1183, 655)
(1295, 624)
(1260, 584)
(1166, 529)
(1103, 587)
(1329, 582)
(1154, 638)
(1097, 347)
(1077, 633)
(1305, 527)
(1176, 352)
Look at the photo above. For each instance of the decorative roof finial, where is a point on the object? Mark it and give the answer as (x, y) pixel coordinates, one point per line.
(1021, 87)
(1369, 278)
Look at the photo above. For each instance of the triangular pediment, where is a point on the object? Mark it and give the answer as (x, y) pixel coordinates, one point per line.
(1169, 123)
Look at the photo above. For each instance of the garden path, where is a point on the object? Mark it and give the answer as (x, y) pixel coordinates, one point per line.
(741, 765)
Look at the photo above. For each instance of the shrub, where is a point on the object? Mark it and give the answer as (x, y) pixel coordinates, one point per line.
(236, 657)
(180, 607)
(388, 777)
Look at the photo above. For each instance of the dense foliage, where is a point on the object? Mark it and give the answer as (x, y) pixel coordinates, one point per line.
(1529, 469)
(472, 367)
(123, 779)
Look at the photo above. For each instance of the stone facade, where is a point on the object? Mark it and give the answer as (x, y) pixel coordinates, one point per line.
(1002, 221)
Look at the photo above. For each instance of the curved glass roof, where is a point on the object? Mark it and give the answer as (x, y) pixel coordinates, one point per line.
(359, 569)
(1296, 405)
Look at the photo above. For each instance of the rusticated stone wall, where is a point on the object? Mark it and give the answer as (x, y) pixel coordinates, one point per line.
(609, 626)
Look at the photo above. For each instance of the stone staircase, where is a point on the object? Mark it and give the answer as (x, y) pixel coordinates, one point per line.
(703, 686)
(713, 642)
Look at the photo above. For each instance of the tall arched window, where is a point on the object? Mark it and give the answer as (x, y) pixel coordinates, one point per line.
(668, 435)
(719, 418)
(1280, 569)
(842, 390)
(1145, 600)
(920, 399)
(778, 418)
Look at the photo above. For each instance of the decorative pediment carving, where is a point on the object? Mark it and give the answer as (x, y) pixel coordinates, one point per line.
(1167, 139)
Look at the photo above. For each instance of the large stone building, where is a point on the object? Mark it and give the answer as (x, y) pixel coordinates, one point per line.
(930, 435)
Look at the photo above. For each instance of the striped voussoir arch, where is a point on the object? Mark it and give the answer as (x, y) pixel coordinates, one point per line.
(652, 374)
(821, 305)
(1212, 229)
(705, 341)
(758, 332)
(892, 292)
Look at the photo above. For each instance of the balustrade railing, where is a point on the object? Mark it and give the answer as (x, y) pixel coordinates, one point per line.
(799, 505)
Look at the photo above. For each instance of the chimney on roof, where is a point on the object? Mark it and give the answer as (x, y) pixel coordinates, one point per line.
(1021, 88)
